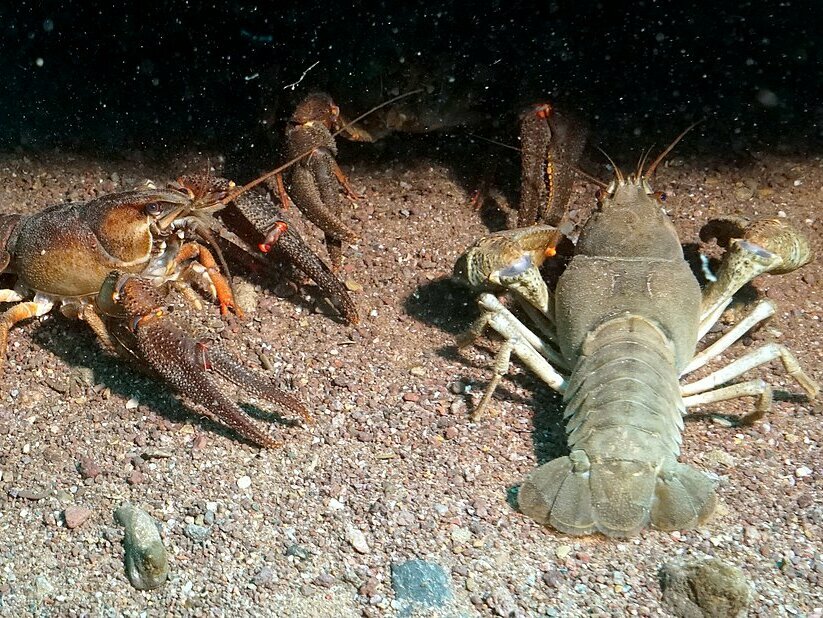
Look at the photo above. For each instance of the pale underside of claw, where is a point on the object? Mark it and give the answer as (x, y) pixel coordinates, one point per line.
(771, 246)
(510, 260)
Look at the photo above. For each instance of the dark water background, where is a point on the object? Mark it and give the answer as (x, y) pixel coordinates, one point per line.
(111, 77)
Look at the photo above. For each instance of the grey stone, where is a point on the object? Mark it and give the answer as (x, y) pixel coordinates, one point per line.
(420, 584)
(42, 587)
(147, 564)
(198, 533)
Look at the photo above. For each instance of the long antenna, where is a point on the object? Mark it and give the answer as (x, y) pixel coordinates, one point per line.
(617, 171)
(585, 175)
(233, 195)
(638, 173)
(495, 142)
(650, 172)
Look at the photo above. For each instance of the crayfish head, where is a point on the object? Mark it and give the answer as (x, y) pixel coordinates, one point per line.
(317, 107)
(630, 222)
(125, 223)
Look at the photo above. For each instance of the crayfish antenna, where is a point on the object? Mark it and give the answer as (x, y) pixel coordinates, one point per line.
(650, 172)
(577, 170)
(617, 172)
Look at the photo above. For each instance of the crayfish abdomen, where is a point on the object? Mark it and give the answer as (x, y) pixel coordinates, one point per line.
(624, 412)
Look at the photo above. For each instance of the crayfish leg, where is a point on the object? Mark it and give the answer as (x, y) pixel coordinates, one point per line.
(18, 313)
(222, 287)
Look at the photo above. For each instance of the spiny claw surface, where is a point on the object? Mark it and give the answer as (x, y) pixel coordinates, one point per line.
(776, 236)
(188, 364)
(771, 246)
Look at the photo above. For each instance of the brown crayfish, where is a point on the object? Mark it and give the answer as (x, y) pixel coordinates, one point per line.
(106, 262)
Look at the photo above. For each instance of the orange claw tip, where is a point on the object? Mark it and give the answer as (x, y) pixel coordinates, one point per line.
(226, 308)
(273, 236)
(543, 111)
(140, 320)
(550, 252)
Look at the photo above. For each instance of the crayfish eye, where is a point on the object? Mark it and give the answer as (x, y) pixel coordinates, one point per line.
(154, 209)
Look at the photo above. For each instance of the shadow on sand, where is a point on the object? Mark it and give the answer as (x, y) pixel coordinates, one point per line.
(73, 343)
(452, 308)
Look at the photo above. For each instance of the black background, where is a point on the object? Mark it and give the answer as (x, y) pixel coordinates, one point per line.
(160, 77)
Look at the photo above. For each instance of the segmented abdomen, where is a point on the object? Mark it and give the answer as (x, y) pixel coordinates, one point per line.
(623, 399)
(624, 412)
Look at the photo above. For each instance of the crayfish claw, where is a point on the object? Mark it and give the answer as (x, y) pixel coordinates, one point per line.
(188, 364)
(219, 361)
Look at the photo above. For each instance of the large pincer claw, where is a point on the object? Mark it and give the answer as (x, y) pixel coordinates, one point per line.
(771, 246)
(510, 261)
(186, 363)
(281, 241)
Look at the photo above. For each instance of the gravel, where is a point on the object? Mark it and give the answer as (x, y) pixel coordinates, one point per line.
(393, 453)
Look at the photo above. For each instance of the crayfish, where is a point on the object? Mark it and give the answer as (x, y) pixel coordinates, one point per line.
(615, 338)
(106, 262)
(110, 260)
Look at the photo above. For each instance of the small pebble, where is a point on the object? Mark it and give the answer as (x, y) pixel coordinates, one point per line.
(264, 577)
(324, 580)
(553, 578)
(245, 296)
(460, 535)
(472, 584)
(155, 453)
(197, 533)
(76, 516)
(405, 518)
(803, 472)
(501, 603)
(704, 587)
(87, 468)
(804, 501)
(751, 534)
(297, 551)
(369, 587)
(356, 539)
(244, 482)
(42, 587)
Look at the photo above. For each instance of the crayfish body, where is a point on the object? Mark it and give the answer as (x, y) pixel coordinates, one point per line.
(69, 254)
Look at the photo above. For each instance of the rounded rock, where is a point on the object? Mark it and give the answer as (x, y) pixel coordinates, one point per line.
(147, 564)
